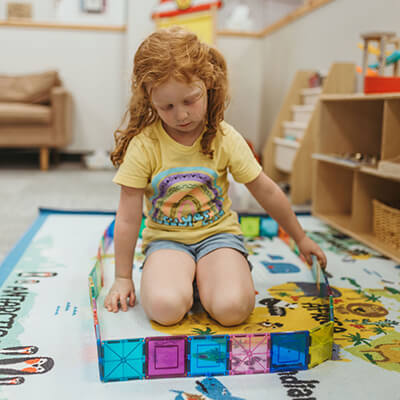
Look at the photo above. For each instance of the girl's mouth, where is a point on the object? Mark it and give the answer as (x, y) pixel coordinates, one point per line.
(184, 125)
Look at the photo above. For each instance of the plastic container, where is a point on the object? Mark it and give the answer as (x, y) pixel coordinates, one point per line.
(302, 113)
(293, 130)
(381, 84)
(311, 96)
(285, 152)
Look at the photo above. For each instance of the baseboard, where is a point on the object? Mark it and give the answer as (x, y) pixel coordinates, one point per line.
(27, 156)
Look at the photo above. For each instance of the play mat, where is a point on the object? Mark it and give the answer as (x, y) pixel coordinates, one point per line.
(49, 346)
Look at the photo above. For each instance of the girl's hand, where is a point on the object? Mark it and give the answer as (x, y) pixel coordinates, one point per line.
(121, 289)
(308, 248)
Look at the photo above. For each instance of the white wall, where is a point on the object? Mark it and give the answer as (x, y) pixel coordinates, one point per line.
(95, 66)
(90, 65)
(244, 57)
(70, 11)
(317, 40)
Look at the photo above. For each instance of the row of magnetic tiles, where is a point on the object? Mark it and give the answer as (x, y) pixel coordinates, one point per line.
(207, 355)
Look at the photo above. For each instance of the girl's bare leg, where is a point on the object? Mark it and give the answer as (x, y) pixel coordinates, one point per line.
(226, 286)
(166, 290)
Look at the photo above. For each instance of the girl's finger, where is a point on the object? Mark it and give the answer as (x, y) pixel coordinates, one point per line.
(123, 303)
(132, 298)
(115, 300)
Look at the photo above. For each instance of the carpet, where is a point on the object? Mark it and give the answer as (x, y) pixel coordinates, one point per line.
(48, 345)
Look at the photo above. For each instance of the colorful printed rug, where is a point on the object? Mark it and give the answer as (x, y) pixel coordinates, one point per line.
(48, 346)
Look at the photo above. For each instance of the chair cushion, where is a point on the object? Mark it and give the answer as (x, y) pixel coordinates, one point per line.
(18, 113)
(33, 88)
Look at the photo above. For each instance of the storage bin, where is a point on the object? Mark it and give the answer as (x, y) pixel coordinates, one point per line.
(310, 96)
(293, 130)
(285, 152)
(387, 224)
(302, 113)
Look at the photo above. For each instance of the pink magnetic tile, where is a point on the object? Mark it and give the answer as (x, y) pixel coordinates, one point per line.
(249, 354)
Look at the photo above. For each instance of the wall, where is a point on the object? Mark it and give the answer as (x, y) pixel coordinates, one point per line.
(94, 66)
(329, 34)
(69, 11)
(244, 57)
(90, 66)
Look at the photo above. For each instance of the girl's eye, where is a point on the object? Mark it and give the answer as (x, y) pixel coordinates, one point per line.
(168, 107)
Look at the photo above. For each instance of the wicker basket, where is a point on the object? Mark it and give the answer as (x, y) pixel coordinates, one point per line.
(387, 224)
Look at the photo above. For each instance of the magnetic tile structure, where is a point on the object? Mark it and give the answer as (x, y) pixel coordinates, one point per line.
(207, 355)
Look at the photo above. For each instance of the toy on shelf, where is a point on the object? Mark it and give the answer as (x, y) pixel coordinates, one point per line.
(381, 83)
(212, 354)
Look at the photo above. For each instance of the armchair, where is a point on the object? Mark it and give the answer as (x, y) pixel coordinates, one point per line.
(35, 111)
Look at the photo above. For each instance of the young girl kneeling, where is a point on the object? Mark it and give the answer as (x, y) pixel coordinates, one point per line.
(176, 152)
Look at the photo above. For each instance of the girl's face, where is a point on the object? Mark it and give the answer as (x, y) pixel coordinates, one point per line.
(181, 106)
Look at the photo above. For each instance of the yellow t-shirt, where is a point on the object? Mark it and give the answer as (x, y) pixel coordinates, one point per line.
(186, 192)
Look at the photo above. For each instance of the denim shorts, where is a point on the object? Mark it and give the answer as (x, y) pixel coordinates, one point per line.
(202, 248)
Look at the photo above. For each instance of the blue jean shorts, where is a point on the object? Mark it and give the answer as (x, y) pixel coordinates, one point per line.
(202, 248)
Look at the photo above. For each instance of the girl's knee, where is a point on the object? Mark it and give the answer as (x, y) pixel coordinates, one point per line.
(167, 308)
(232, 310)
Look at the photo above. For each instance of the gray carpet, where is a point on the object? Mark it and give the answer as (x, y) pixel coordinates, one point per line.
(66, 186)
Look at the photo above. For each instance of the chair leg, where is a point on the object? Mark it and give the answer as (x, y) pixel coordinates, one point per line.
(44, 158)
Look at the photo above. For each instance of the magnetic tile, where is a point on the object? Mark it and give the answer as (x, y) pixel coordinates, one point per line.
(166, 356)
(289, 351)
(123, 359)
(208, 355)
(250, 226)
(249, 354)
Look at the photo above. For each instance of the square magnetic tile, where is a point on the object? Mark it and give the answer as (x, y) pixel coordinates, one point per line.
(289, 351)
(268, 227)
(123, 359)
(250, 226)
(208, 355)
(249, 354)
(166, 356)
(321, 344)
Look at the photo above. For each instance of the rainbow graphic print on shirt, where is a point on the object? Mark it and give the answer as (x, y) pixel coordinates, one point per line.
(187, 196)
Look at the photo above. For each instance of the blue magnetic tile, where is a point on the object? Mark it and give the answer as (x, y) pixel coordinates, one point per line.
(123, 359)
(268, 227)
(208, 355)
(289, 351)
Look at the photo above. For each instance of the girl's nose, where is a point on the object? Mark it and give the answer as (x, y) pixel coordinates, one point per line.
(181, 114)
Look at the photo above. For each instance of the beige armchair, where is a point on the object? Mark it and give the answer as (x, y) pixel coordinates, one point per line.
(35, 111)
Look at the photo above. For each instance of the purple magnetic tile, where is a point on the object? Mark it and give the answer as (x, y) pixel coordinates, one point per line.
(250, 354)
(166, 356)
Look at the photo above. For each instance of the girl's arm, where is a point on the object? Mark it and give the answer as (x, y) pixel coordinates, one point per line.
(127, 226)
(276, 204)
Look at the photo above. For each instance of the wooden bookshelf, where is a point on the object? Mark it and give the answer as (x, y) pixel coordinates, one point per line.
(343, 191)
(341, 78)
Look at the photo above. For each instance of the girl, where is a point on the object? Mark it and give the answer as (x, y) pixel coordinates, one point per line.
(176, 151)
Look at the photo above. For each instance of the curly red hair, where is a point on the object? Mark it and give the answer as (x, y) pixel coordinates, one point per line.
(179, 54)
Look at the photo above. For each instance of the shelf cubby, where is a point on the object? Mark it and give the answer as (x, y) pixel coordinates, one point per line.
(351, 127)
(343, 192)
(334, 192)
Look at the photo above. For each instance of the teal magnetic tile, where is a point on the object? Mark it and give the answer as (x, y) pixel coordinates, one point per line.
(209, 355)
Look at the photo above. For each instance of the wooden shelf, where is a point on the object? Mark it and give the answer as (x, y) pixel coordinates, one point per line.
(343, 194)
(336, 160)
(376, 172)
(60, 25)
(359, 96)
(340, 79)
(343, 224)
